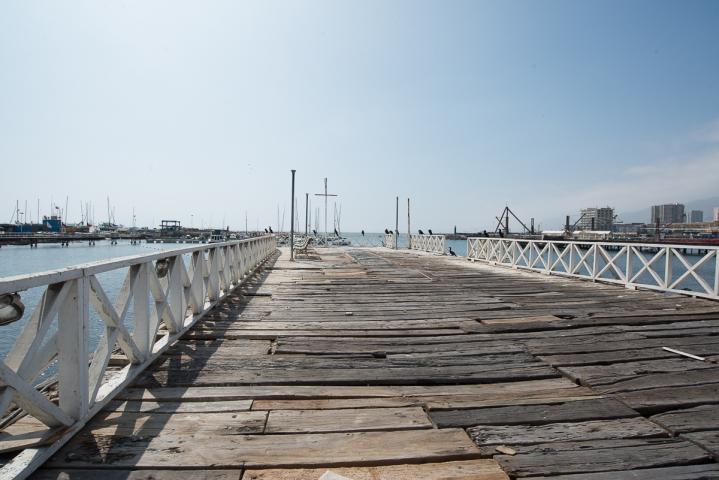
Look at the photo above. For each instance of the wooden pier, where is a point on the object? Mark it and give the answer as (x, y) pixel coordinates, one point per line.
(379, 364)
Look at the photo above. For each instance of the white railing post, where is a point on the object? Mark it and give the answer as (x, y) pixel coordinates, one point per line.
(667, 267)
(213, 284)
(73, 360)
(176, 298)
(140, 299)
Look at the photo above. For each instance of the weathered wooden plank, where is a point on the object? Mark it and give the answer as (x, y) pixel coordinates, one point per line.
(346, 420)
(481, 469)
(575, 411)
(491, 391)
(177, 407)
(132, 424)
(654, 400)
(636, 427)
(600, 456)
(684, 472)
(593, 375)
(366, 376)
(83, 474)
(703, 417)
(290, 450)
(660, 380)
(26, 432)
(707, 440)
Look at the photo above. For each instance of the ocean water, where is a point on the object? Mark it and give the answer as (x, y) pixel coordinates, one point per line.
(18, 260)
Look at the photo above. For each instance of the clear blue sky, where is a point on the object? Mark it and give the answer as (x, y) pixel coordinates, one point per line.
(202, 108)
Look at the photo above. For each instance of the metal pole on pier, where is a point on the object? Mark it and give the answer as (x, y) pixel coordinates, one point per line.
(307, 206)
(292, 220)
(396, 222)
(409, 231)
(324, 195)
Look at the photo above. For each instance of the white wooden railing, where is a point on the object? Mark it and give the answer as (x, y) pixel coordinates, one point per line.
(390, 240)
(635, 265)
(427, 243)
(169, 292)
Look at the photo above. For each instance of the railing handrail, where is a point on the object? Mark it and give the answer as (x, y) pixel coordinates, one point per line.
(692, 246)
(17, 283)
(663, 267)
(427, 243)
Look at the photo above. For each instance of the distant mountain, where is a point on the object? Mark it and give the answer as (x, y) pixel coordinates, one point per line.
(706, 205)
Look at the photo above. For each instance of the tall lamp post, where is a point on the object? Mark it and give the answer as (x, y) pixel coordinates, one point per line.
(292, 220)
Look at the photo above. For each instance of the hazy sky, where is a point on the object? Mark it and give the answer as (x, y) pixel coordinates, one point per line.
(202, 108)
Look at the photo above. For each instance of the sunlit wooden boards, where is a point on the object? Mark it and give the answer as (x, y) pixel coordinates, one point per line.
(481, 469)
(560, 458)
(225, 451)
(376, 364)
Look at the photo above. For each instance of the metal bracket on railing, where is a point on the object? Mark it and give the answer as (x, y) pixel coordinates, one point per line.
(11, 308)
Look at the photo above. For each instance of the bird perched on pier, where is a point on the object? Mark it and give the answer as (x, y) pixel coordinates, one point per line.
(314, 232)
(430, 231)
(271, 230)
(451, 252)
(420, 232)
(363, 233)
(337, 233)
(386, 232)
(266, 231)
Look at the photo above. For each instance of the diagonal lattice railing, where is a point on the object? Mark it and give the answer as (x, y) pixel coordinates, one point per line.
(427, 243)
(663, 267)
(162, 296)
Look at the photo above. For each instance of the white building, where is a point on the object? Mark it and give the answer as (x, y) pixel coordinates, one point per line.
(596, 219)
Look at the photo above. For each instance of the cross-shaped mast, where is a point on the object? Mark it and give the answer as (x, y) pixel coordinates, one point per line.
(325, 195)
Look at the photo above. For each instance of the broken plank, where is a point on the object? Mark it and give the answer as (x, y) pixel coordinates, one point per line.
(579, 410)
(635, 427)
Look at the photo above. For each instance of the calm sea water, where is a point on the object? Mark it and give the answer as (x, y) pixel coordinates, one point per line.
(18, 260)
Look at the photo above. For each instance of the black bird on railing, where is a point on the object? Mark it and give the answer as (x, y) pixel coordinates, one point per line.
(451, 252)
(420, 232)
(271, 230)
(430, 231)
(314, 232)
(484, 233)
(266, 231)
(386, 232)
(363, 233)
(337, 233)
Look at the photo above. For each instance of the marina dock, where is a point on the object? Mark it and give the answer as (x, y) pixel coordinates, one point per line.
(367, 363)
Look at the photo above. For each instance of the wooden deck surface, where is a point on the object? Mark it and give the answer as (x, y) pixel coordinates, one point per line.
(374, 364)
